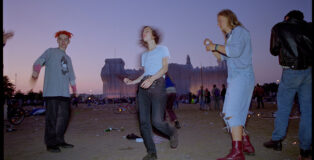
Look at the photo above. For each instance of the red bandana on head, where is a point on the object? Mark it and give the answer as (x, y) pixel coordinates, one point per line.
(69, 34)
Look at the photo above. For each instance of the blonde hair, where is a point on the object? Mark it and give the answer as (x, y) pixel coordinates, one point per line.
(232, 18)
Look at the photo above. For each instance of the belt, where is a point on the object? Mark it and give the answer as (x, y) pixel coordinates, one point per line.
(157, 81)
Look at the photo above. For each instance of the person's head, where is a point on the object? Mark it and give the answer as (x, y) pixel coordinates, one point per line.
(214, 85)
(63, 39)
(223, 86)
(257, 85)
(149, 34)
(201, 87)
(227, 20)
(294, 14)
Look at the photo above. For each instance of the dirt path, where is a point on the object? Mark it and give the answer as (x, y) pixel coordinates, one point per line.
(201, 137)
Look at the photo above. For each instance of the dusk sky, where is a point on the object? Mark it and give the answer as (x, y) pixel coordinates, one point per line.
(111, 29)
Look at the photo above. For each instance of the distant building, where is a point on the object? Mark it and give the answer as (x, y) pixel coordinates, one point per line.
(112, 76)
(186, 78)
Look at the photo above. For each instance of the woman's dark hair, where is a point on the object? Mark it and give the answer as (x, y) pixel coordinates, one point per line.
(155, 33)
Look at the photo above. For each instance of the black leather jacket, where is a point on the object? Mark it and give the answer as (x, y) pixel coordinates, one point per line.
(291, 40)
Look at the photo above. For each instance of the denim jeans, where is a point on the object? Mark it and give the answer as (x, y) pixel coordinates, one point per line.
(152, 103)
(57, 118)
(292, 82)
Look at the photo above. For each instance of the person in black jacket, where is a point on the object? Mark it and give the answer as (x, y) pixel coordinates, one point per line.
(291, 41)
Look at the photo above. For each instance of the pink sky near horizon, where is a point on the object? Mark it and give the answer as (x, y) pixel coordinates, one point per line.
(110, 29)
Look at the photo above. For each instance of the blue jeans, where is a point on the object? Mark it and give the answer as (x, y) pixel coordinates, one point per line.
(292, 82)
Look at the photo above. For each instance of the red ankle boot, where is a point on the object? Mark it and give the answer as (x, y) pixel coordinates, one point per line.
(247, 146)
(236, 152)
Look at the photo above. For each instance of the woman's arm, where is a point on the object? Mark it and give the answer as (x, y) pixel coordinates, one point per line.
(216, 48)
(235, 46)
(137, 80)
(218, 54)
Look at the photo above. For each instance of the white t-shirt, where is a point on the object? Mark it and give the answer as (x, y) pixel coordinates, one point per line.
(152, 60)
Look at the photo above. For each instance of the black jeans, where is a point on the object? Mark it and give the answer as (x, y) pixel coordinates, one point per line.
(153, 100)
(57, 119)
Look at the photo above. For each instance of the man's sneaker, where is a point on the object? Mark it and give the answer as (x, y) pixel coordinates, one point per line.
(276, 145)
(177, 124)
(174, 139)
(150, 156)
(53, 149)
(66, 145)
